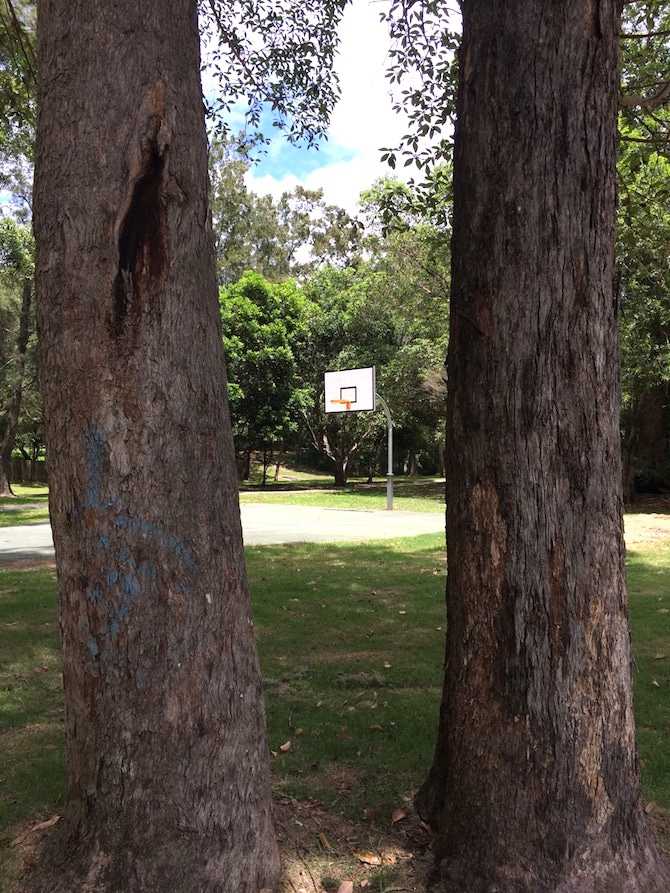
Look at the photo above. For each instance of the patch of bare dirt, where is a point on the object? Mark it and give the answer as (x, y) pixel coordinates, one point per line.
(27, 564)
(322, 850)
(645, 528)
(647, 519)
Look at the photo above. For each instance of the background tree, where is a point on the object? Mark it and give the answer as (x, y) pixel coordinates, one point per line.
(16, 284)
(534, 784)
(409, 236)
(277, 240)
(318, 233)
(168, 780)
(248, 232)
(262, 326)
(17, 102)
(643, 284)
(645, 74)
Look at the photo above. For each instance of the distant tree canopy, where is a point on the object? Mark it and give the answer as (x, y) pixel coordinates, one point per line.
(20, 405)
(382, 304)
(283, 239)
(263, 324)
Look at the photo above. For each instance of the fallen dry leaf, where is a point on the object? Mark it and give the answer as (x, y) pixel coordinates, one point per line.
(285, 747)
(398, 815)
(659, 657)
(368, 814)
(41, 827)
(655, 684)
(323, 840)
(346, 887)
(368, 858)
(650, 807)
(375, 727)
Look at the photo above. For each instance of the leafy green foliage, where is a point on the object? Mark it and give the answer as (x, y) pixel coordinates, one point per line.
(261, 323)
(17, 251)
(276, 56)
(645, 74)
(18, 90)
(424, 70)
(17, 68)
(425, 38)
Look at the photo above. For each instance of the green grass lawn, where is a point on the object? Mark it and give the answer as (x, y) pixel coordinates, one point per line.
(413, 495)
(649, 600)
(20, 508)
(351, 642)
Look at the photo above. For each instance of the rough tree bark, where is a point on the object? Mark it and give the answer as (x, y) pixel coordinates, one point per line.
(168, 781)
(14, 410)
(534, 785)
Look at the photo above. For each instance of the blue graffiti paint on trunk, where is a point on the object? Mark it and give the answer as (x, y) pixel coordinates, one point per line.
(121, 582)
(93, 470)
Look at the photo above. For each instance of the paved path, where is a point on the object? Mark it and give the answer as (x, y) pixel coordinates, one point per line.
(264, 524)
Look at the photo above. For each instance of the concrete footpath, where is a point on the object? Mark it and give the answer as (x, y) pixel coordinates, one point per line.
(264, 524)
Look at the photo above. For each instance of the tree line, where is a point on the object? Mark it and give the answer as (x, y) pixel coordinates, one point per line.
(306, 288)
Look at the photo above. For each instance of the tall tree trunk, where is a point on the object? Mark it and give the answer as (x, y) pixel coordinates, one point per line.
(14, 411)
(534, 785)
(168, 780)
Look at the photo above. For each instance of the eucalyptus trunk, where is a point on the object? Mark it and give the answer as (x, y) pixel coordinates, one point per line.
(167, 764)
(535, 784)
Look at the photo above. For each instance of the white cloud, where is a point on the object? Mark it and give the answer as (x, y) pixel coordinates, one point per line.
(362, 122)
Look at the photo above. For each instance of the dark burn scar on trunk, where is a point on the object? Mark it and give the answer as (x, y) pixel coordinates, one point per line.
(142, 243)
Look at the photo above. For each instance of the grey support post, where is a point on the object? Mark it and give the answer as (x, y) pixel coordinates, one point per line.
(389, 472)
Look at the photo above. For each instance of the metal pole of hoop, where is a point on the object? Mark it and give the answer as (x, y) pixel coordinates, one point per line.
(389, 471)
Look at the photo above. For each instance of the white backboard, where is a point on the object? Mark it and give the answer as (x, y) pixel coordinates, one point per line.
(350, 390)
